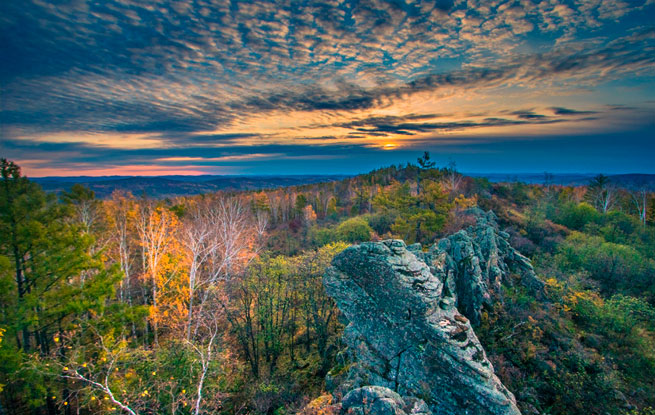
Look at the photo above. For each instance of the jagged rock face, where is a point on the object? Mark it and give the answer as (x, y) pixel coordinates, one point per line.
(405, 338)
(405, 333)
(474, 263)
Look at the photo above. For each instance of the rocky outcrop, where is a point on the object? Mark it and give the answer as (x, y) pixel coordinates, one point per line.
(409, 349)
(474, 263)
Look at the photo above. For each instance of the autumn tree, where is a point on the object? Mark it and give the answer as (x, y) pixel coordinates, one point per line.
(121, 213)
(154, 225)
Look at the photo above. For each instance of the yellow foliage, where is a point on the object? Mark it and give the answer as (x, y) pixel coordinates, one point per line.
(552, 282)
(320, 406)
(461, 202)
(319, 402)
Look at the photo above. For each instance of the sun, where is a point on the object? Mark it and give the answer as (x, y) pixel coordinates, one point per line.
(389, 146)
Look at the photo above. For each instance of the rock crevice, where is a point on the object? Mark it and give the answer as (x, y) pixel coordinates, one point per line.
(410, 314)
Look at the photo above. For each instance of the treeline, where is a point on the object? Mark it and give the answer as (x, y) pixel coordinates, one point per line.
(214, 303)
(184, 305)
(143, 306)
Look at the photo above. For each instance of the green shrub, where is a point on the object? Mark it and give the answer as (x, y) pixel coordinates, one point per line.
(577, 216)
(614, 266)
(354, 230)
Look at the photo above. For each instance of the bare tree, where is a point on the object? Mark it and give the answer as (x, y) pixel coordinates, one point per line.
(324, 201)
(217, 235)
(607, 199)
(232, 223)
(206, 351)
(274, 206)
(603, 193)
(120, 208)
(640, 199)
(228, 243)
(453, 177)
(199, 240)
(261, 224)
(154, 226)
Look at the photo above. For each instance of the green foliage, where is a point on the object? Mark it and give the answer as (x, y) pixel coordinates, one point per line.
(354, 230)
(629, 325)
(416, 218)
(555, 362)
(576, 216)
(279, 305)
(301, 202)
(49, 279)
(321, 236)
(380, 223)
(589, 347)
(614, 266)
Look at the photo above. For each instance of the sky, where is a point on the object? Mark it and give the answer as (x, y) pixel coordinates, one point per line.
(140, 87)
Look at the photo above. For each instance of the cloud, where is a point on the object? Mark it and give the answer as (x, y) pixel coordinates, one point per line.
(197, 74)
(528, 115)
(568, 111)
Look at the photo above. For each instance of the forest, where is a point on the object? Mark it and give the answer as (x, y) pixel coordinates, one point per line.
(215, 304)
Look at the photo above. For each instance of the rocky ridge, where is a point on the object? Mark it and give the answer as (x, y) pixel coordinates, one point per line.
(411, 347)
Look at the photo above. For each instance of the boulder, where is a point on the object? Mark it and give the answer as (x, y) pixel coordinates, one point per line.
(378, 400)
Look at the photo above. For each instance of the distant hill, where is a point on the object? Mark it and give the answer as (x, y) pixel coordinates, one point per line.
(535, 178)
(630, 180)
(633, 180)
(171, 186)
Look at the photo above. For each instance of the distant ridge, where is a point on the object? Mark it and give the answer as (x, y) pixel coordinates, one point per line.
(633, 180)
(628, 180)
(177, 185)
(172, 186)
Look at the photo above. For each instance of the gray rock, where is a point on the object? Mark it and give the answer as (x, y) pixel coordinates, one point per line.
(474, 263)
(378, 400)
(405, 334)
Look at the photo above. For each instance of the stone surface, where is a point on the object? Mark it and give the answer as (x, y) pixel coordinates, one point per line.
(474, 263)
(405, 334)
(378, 400)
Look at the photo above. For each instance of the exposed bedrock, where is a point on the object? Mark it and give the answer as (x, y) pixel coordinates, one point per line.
(405, 334)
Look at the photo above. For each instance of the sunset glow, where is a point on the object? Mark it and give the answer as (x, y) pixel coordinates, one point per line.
(262, 87)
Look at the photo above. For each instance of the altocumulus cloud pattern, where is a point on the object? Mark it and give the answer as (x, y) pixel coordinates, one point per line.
(197, 86)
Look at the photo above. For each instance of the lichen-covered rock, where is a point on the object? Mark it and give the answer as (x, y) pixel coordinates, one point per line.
(474, 263)
(378, 400)
(410, 339)
(405, 333)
